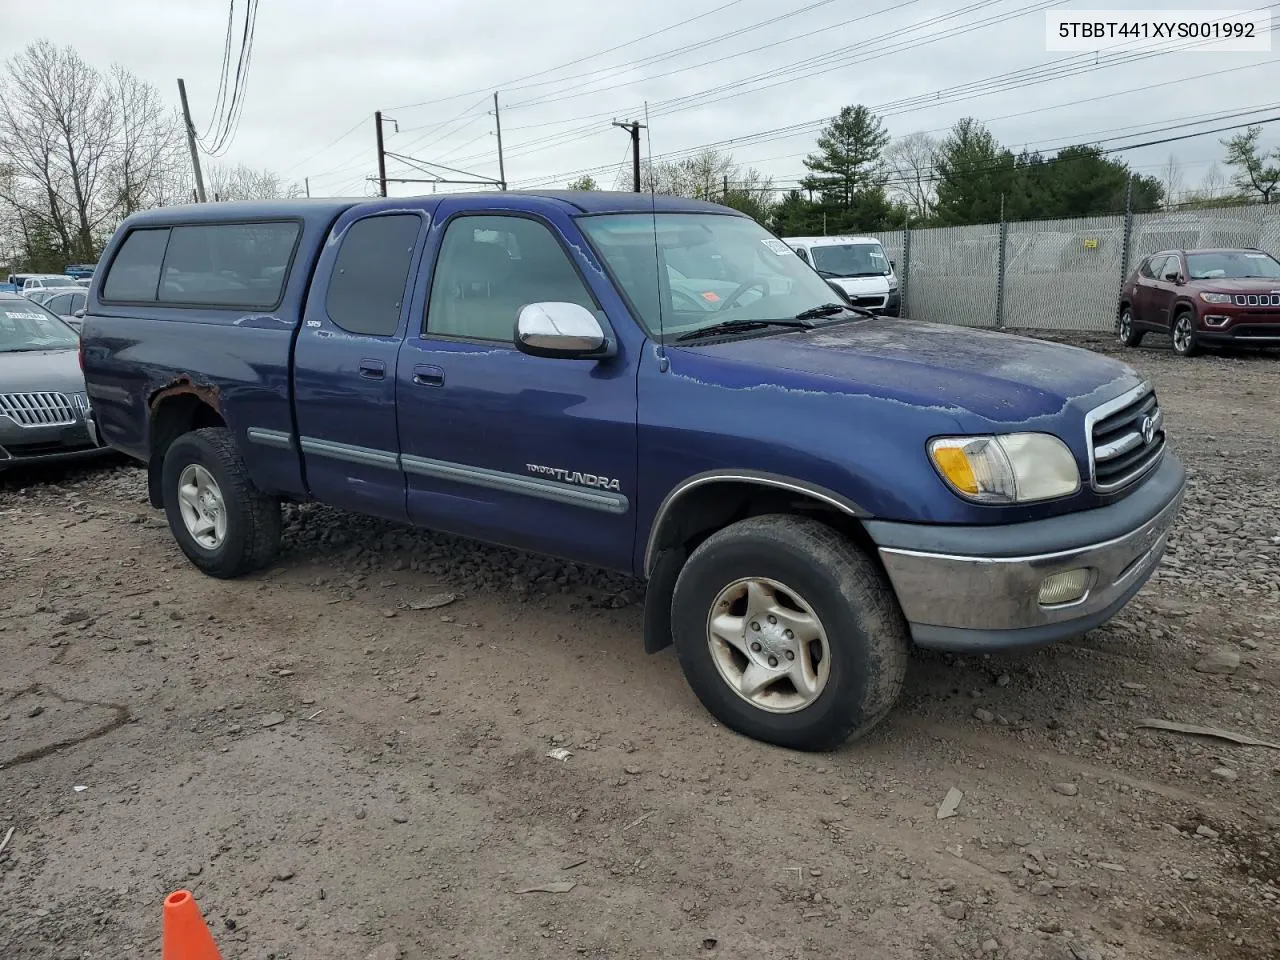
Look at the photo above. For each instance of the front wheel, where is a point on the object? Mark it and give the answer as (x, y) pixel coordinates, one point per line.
(788, 633)
(1127, 335)
(1184, 336)
(222, 522)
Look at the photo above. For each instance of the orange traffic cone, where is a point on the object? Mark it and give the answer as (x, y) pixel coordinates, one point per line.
(185, 935)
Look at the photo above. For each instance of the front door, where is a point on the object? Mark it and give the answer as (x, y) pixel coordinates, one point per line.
(1164, 291)
(498, 445)
(345, 366)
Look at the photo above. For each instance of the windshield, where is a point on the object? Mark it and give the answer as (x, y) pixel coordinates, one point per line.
(714, 268)
(1232, 265)
(27, 326)
(850, 260)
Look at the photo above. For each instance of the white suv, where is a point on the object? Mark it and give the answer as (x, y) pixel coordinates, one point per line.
(46, 281)
(858, 265)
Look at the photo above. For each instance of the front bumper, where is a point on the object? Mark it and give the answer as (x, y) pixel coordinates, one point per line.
(1238, 332)
(29, 446)
(967, 588)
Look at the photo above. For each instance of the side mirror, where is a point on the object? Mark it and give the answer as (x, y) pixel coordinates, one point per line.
(1173, 277)
(563, 330)
(893, 265)
(79, 314)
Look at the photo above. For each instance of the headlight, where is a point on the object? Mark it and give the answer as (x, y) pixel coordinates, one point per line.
(1010, 468)
(1216, 297)
(893, 284)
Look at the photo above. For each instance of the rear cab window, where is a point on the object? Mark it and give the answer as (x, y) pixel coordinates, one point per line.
(233, 265)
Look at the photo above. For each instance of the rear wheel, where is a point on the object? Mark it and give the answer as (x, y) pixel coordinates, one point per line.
(1184, 335)
(1127, 335)
(222, 522)
(788, 633)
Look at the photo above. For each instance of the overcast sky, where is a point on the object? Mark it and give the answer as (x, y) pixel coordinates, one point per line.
(321, 67)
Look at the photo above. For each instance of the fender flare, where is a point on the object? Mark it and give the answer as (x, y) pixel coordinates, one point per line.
(757, 477)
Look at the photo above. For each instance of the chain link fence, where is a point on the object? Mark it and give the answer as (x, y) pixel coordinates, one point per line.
(1054, 274)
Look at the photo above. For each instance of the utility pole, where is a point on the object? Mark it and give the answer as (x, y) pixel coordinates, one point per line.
(191, 140)
(307, 181)
(497, 122)
(382, 155)
(633, 127)
(724, 198)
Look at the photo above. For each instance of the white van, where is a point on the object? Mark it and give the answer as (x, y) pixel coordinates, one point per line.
(858, 265)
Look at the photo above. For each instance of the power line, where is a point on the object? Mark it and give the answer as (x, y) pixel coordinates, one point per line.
(999, 83)
(225, 133)
(1022, 77)
(224, 73)
(511, 84)
(680, 104)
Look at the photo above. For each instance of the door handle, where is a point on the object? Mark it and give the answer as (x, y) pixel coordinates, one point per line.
(428, 376)
(373, 369)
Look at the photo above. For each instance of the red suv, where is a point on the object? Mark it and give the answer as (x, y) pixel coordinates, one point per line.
(1203, 298)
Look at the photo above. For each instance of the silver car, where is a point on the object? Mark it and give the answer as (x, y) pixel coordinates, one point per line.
(44, 410)
(68, 303)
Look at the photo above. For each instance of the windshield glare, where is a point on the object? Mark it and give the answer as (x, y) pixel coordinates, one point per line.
(714, 268)
(28, 326)
(850, 259)
(1232, 265)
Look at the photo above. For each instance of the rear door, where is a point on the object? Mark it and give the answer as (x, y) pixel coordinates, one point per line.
(345, 363)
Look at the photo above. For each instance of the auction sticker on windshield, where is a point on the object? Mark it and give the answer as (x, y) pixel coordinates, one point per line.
(778, 247)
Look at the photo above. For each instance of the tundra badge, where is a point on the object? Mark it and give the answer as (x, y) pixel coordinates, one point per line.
(574, 476)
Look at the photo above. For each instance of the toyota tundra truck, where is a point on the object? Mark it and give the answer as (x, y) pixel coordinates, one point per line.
(651, 385)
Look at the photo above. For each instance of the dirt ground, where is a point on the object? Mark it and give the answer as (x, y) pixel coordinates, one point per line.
(334, 759)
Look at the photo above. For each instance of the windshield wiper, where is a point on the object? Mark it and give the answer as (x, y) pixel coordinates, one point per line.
(739, 326)
(829, 310)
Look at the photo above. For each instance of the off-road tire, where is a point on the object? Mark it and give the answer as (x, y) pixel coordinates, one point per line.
(865, 628)
(253, 518)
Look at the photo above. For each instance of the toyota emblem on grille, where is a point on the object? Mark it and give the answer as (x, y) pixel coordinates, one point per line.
(1148, 429)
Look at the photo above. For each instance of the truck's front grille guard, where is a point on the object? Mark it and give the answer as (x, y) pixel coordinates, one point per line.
(1119, 454)
(37, 409)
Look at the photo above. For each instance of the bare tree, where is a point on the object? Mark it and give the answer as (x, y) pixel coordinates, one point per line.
(713, 175)
(148, 150)
(58, 123)
(242, 182)
(1171, 177)
(910, 163)
(1213, 181)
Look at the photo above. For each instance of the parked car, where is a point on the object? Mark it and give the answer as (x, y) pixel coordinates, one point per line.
(807, 487)
(1202, 298)
(68, 303)
(856, 265)
(44, 411)
(46, 281)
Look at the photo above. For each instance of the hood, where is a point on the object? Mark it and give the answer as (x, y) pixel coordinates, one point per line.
(44, 370)
(986, 380)
(1242, 285)
(862, 285)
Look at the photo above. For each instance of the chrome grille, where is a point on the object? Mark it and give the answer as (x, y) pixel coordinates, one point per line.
(37, 409)
(1126, 439)
(1258, 299)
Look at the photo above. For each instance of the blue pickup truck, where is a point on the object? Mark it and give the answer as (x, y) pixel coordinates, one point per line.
(653, 385)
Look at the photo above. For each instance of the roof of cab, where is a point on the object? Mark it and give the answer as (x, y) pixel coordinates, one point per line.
(580, 201)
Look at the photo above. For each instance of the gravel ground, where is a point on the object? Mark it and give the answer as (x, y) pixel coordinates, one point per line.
(349, 753)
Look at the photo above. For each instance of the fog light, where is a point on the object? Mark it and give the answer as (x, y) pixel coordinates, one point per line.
(1065, 587)
(1214, 320)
